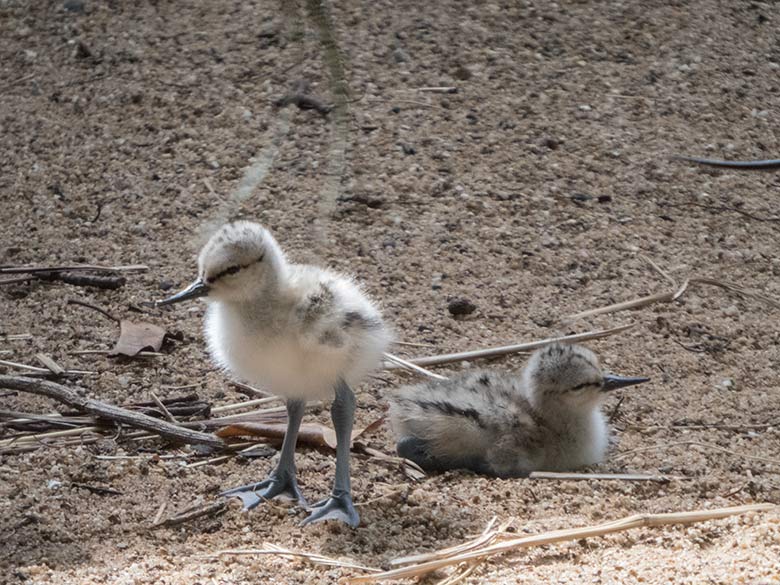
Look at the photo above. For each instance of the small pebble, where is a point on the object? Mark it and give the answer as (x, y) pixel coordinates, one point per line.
(75, 6)
(461, 306)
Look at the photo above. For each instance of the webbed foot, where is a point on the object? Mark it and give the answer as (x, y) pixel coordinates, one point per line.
(277, 485)
(336, 507)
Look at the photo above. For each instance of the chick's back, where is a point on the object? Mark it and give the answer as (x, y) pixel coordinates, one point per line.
(463, 417)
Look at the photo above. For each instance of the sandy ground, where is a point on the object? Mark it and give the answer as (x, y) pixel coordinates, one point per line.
(534, 192)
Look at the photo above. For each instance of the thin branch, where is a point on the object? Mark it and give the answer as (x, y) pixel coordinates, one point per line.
(76, 268)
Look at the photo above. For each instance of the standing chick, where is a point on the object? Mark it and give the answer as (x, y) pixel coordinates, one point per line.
(497, 424)
(301, 332)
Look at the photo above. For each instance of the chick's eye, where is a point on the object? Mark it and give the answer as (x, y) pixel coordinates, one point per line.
(580, 386)
(232, 269)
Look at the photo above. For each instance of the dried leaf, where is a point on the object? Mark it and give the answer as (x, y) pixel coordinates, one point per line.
(137, 337)
(314, 434)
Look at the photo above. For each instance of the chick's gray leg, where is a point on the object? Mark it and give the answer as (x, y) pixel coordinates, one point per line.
(339, 505)
(282, 481)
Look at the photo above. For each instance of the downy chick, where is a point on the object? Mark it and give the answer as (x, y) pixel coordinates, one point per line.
(300, 332)
(497, 424)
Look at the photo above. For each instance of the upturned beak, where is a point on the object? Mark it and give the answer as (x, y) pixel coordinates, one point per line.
(612, 382)
(195, 290)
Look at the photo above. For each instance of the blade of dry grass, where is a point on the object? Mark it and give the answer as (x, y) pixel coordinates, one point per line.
(488, 535)
(247, 404)
(513, 544)
(45, 371)
(273, 549)
(623, 306)
(413, 367)
(555, 475)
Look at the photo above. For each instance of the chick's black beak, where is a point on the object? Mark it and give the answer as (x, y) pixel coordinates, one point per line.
(195, 290)
(612, 382)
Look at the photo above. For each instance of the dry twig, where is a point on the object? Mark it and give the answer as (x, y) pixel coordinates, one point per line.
(508, 349)
(73, 268)
(109, 411)
(556, 475)
(213, 509)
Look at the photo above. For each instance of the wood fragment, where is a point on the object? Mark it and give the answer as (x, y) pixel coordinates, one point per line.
(109, 411)
(160, 512)
(193, 513)
(50, 364)
(96, 489)
(15, 336)
(438, 89)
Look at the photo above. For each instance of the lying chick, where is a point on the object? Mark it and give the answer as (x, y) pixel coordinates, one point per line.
(497, 424)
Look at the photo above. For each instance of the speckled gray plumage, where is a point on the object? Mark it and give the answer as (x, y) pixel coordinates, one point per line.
(497, 423)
